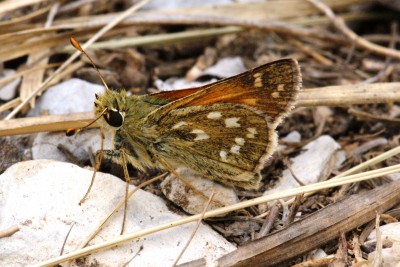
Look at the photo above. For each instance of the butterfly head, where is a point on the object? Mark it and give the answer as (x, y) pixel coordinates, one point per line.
(111, 105)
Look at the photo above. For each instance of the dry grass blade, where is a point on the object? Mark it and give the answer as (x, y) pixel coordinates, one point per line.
(11, 78)
(325, 96)
(13, 5)
(216, 212)
(44, 124)
(194, 230)
(7, 25)
(32, 80)
(76, 55)
(359, 41)
(158, 39)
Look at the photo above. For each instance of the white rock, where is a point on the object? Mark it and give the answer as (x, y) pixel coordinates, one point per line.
(311, 165)
(41, 197)
(224, 68)
(74, 95)
(67, 97)
(8, 91)
(293, 136)
(388, 231)
(394, 176)
(178, 83)
(45, 145)
(194, 202)
(316, 254)
(390, 256)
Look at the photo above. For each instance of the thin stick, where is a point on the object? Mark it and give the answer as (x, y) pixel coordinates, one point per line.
(95, 37)
(288, 193)
(388, 154)
(9, 231)
(65, 239)
(119, 205)
(195, 229)
(358, 40)
(20, 73)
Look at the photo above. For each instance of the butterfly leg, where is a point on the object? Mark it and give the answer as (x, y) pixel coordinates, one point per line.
(171, 170)
(97, 162)
(119, 157)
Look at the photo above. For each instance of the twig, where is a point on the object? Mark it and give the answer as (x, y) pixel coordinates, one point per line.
(358, 40)
(269, 221)
(311, 52)
(65, 239)
(195, 229)
(9, 231)
(289, 166)
(362, 115)
(387, 69)
(293, 209)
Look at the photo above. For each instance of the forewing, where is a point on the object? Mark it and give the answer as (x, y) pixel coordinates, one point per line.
(271, 89)
(224, 142)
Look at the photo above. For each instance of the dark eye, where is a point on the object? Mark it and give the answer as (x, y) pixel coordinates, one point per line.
(114, 118)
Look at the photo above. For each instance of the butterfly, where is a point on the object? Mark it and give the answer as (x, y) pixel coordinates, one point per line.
(225, 131)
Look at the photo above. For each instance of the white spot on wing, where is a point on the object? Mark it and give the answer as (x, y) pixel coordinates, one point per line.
(257, 74)
(201, 135)
(232, 122)
(214, 115)
(179, 124)
(235, 149)
(223, 155)
(281, 87)
(258, 82)
(239, 141)
(252, 132)
(275, 94)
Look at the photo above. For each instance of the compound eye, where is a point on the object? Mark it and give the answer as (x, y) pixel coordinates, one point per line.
(114, 118)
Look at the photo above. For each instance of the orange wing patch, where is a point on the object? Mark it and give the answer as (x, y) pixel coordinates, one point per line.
(271, 88)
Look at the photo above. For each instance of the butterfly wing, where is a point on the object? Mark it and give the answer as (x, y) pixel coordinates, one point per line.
(224, 142)
(225, 130)
(271, 89)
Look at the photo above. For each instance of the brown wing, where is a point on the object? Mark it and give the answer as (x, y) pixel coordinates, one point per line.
(271, 89)
(175, 94)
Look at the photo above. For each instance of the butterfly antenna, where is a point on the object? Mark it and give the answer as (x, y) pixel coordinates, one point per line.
(78, 47)
(73, 131)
